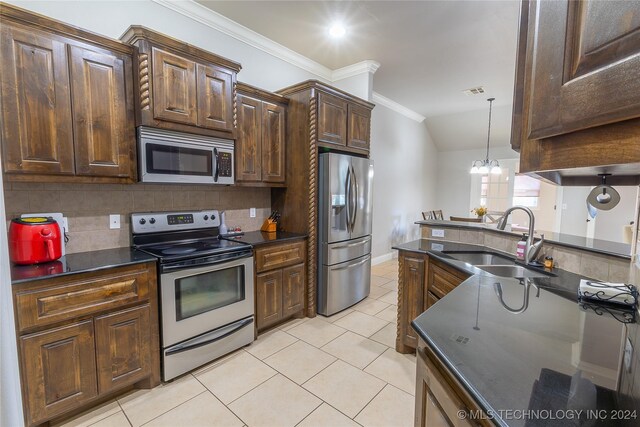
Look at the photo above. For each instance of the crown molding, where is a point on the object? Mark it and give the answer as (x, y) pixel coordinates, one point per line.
(231, 28)
(221, 23)
(398, 108)
(367, 66)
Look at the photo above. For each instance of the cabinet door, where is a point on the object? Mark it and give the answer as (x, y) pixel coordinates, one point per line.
(36, 107)
(273, 140)
(268, 298)
(103, 126)
(332, 119)
(174, 88)
(123, 351)
(248, 145)
(359, 127)
(413, 276)
(215, 98)
(292, 290)
(584, 61)
(58, 370)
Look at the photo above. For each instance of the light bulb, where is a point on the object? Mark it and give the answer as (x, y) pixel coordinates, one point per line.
(484, 169)
(496, 170)
(337, 30)
(474, 169)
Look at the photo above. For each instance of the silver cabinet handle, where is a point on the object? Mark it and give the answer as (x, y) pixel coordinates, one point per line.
(347, 191)
(355, 199)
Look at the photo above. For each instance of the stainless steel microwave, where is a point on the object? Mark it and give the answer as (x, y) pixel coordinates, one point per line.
(175, 157)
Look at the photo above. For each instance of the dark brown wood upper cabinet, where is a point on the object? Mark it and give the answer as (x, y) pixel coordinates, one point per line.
(181, 87)
(359, 130)
(273, 142)
(215, 98)
(103, 122)
(36, 106)
(67, 102)
(260, 144)
(249, 142)
(577, 92)
(332, 119)
(174, 88)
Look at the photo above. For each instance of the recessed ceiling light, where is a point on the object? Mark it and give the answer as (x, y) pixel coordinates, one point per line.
(337, 30)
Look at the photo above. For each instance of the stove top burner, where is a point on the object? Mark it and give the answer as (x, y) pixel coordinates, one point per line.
(178, 251)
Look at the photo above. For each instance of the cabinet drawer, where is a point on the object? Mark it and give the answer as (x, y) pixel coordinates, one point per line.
(279, 256)
(442, 280)
(70, 299)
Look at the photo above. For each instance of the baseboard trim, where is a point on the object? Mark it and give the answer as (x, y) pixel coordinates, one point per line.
(382, 258)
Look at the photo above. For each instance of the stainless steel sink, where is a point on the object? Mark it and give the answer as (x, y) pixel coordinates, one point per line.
(516, 271)
(480, 258)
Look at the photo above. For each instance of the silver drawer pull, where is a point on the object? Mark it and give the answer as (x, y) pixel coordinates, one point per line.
(350, 265)
(350, 245)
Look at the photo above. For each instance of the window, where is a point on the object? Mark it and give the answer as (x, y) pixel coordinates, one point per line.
(494, 191)
(526, 191)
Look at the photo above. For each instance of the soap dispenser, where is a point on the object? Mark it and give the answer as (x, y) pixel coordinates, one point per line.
(223, 224)
(522, 247)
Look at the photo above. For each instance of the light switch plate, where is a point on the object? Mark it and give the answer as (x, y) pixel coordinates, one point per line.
(252, 212)
(114, 221)
(437, 233)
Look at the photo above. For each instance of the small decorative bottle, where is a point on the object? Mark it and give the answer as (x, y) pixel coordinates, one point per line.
(522, 247)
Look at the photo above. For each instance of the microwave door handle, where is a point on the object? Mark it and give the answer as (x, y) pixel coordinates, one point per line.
(216, 158)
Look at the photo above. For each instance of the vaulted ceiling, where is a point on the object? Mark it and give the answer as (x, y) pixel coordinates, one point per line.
(429, 51)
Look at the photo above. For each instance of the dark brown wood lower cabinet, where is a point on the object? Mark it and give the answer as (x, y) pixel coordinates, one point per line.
(279, 282)
(122, 347)
(83, 337)
(422, 282)
(292, 290)
(439, 396)
(59, 372)
(268, 298)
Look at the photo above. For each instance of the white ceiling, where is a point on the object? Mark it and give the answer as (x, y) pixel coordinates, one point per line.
(429, 51)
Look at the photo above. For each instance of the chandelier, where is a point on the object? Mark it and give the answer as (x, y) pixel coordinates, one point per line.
(485, 166)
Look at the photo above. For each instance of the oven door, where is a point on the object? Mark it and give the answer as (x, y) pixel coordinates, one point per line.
(198, 300)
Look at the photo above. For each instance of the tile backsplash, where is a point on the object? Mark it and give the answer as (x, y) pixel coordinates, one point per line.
(88, 206)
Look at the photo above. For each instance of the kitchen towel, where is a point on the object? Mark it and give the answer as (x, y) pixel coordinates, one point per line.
(618, 293)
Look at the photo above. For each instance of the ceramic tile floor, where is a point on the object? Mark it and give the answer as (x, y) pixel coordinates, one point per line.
(320, 372)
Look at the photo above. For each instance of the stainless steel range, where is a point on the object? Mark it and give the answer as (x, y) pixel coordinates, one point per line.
(206, 287)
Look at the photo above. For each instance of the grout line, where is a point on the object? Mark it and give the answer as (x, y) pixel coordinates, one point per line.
(175, 407)
(371, 400)
(124, 413)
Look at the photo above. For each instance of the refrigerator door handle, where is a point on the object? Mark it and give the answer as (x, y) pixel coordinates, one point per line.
(347, 191)
(354, 194)
(351, 265)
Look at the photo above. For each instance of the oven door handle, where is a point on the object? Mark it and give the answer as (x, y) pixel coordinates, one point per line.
(227, 257)
(215, 336)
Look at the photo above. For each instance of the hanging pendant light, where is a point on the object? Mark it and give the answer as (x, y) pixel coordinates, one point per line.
(487, 166)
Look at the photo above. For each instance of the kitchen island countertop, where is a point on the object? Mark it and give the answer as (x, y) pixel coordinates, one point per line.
(553, 355)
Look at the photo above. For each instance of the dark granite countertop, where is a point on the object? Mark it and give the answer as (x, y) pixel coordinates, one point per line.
(81, 262)
(257, 238)
(617, 249)
(554, 355)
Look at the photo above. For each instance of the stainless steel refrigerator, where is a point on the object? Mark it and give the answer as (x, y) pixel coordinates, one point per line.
(344, 231)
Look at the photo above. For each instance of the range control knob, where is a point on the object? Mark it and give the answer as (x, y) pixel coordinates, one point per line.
(206, 217)
(143, 221)
(213, 217)
(152, 221)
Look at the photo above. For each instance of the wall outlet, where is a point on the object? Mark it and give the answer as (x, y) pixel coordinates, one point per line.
(114, 221)
(252, 212)
(437, 233)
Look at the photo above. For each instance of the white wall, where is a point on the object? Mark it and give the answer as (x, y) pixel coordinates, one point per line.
(404, 184)
(454, 180)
